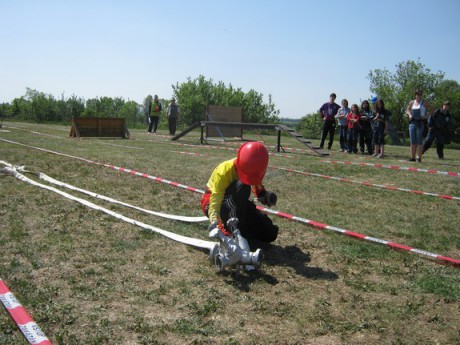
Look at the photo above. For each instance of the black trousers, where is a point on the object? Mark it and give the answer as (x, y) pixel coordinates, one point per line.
(253, 224)
(365, 137)
(172, 123)
(153, 123)
(433, 134)
(328, 127)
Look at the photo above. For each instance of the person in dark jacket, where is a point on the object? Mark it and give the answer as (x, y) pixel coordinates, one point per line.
(365, 128)
(328, 111)
(438, 123)
(173, 113)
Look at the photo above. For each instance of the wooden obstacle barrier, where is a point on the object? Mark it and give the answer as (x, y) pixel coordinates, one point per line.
(216, 113)
(278, 127)
(99, 127)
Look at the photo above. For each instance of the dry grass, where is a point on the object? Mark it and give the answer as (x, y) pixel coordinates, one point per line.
(87, 278)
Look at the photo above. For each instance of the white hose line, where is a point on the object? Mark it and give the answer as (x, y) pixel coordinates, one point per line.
(178, 238)
(49, 179)
(106, 198)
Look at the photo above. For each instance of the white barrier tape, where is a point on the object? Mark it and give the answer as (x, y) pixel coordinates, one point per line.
(395, 167)
(394, 245)
(190, 153)
(175, 237)
(9, 300)
(29, 328)
(341, 179)
(441, 259)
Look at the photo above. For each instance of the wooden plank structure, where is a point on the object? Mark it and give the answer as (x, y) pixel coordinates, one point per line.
(99, 127)
(217, 113)
(280, 128)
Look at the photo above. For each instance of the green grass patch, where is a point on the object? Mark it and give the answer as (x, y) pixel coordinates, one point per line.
(88, 278)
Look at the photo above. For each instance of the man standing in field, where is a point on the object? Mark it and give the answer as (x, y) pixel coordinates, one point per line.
(173, 113)
(154, 114)
(438, 123)
(327, 112)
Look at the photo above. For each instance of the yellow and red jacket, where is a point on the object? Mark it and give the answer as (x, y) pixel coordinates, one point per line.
(221, 178)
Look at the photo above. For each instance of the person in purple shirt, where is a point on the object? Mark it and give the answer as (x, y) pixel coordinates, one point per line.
(327, 112)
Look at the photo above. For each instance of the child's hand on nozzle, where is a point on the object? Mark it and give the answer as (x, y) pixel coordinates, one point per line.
(268, 198)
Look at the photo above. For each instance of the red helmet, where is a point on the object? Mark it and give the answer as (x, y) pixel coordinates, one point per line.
(251, 163)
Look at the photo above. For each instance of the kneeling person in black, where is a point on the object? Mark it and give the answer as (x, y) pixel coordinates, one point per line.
(229, 189)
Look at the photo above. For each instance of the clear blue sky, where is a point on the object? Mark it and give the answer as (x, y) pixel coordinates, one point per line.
(297, 51)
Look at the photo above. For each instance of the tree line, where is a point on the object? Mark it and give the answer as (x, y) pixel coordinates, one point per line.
(397, 90)
(193, 96)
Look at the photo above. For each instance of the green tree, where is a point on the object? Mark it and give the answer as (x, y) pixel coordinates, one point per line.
(131, 111)
(397, 89)
(75, 106)
(310, 126)
(195, 95)
(22, 109)
(43, 107)
(104, 107)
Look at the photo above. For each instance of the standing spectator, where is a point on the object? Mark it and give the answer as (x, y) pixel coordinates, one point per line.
(365, 128)
(353, 127)
(417, 112)
(173, 113)
(327, 112)
(438, 124)
(343, 124)
(155, 108)
(381, 114)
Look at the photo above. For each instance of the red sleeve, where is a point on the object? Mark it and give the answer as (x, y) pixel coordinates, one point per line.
(257, 189)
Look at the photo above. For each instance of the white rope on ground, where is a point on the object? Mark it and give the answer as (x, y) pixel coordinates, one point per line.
(175, 237)
(49, 179)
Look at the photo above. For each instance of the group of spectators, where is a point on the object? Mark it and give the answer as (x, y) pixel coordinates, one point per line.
(365, 126)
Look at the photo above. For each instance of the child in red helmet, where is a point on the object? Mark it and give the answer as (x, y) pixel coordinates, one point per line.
(229, 189)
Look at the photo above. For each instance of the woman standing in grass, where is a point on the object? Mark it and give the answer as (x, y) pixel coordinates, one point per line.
(353, 128)
(381, 114)
(365, 127)
(418, 114)
(343, 124)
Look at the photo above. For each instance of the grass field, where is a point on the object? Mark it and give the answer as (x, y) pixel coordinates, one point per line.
(89, 278)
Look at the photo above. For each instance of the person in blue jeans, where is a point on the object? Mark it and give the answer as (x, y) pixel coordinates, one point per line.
(343, 125)
(353, 127)
(327, 112)
(417, 111)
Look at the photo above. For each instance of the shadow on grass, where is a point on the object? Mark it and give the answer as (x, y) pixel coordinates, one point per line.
(289, 256)
(294, 257)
